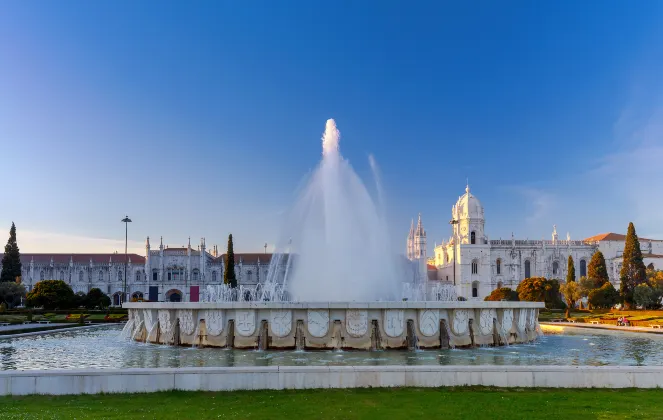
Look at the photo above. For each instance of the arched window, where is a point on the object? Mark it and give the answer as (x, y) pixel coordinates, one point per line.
(119, 275)
(475, 267)
(81, 276)
(249, 276)
(475, 289)
(555, 268)
(583, 268)
(137, 296)
(155, 275)
(195, 275)
(527, 269)
(101, 275)
(498, 264)
(174, 295)
(500, 285)
(117, 299)
(138, 276)
(41, 275)
(214, 276)
(61, 275)
(473, 238)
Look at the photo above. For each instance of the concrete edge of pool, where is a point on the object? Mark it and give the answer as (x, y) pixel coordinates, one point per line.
(94, 381)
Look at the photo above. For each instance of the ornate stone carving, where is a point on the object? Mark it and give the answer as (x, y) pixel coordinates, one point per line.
(187, 326)
(532, 319)
(280, 322)
(522, 319)
(486, 321)
(394, 322)
(150, 319)
(245, 322)
(165, 323)
(460, 321)
(356, 322)
(507, 320)
(429, 322)
(318, 322)
(213, 321)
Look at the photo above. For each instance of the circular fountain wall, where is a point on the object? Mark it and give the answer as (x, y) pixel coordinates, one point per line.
(335, 282)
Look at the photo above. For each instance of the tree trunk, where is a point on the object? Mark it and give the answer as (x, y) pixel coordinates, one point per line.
(568, 312)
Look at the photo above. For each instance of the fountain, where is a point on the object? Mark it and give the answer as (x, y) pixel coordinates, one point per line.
(334, 282)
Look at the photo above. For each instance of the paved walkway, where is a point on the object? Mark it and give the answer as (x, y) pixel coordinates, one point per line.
(649, 330)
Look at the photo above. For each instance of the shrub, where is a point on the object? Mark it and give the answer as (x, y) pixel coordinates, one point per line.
(540, 289)
(97, 298)
(503, 293)
(11, 293)
(604, 297)
(51, 294)
(646, 296)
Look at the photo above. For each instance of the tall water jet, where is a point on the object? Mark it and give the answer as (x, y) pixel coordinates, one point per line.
(337, 236)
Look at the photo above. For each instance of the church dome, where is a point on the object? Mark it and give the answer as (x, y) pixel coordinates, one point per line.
(468, 206)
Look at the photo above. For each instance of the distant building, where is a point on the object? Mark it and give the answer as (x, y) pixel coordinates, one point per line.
(477, 265)
(165, 274)
(612, 247)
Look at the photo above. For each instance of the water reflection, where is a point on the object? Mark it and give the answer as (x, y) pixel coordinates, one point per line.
(101, 348)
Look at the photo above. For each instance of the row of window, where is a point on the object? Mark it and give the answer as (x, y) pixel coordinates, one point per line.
(81, 276)
(498, 266)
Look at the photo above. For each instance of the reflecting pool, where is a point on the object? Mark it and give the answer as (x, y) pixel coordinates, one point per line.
(101, 347)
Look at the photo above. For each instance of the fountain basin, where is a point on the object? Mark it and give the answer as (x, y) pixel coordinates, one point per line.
(334, 325)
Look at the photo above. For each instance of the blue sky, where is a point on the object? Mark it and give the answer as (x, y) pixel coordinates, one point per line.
(201, 119)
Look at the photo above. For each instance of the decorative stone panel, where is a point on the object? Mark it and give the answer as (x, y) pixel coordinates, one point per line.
(394, 322)
(318, 322)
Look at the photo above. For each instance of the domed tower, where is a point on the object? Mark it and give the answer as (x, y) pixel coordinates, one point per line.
(468, 214)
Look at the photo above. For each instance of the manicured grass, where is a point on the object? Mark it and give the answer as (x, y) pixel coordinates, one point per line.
(637, 318)
(406, 403)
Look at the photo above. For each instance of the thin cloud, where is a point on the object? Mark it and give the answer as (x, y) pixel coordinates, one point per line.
(539, 203)
(634, 172)
(53, 242)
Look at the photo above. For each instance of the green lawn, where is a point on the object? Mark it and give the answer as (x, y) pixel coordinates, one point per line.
(406, 403)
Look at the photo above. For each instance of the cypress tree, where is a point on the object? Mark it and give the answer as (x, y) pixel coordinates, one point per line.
(229, 272)
(597, 270)
(11, 261)
(633, 270)
(570, 271)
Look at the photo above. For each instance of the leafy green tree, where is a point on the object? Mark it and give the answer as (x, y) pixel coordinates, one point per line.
(80, 299)
(11, 261)
(646, 296)
(572, 294)
(570, 271)
(633, 270)
(540, 289)
(51, 294)
(597, 269)
(229, 272)
(503, 293)
(604, 297)
(11, 293)
(587, 285)
(96, 298)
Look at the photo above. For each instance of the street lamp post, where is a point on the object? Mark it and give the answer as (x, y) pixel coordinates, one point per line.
(452, 223)
(126, 222)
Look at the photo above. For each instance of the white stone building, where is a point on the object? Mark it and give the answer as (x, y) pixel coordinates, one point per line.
(163, 274)
(477, 265)
(612, 246)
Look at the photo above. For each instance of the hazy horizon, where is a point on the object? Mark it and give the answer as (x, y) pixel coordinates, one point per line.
(204, 121)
